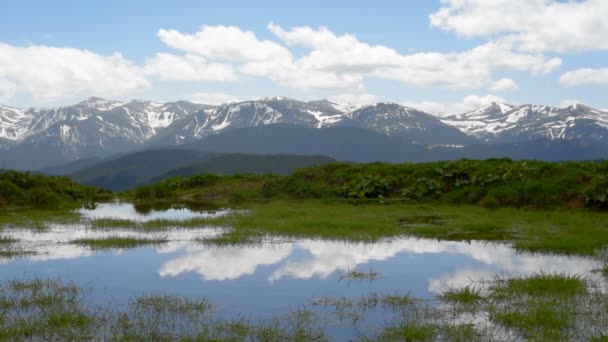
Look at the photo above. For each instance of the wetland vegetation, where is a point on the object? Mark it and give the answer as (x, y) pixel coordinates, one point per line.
(535, 207)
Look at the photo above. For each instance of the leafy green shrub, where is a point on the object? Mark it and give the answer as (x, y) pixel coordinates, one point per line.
(10, 192)
(424, 188)
(468, 195)
(597, 195)
(366, 186)
(506, 195)
(41, 198)
(490, 202)
(202, 180)
(162, 191)
(143, 193)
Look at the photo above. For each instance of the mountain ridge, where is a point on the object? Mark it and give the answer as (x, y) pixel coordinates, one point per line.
(96, 127)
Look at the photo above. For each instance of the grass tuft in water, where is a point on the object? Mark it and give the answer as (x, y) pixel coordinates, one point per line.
(353, 275)
(7, 240)
(542, 284)
(119, 242)
(13, 252)
(232, 238)
(467, 295)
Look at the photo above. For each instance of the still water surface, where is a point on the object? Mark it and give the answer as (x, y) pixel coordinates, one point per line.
(266, 279)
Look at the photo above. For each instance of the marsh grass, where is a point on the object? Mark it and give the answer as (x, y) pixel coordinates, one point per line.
(120, 242)
(10, 251)
(40, 309)
(54, 310)
(565, 231)
(541, 284)
(468, 295)
(36, 219)
(544, 305)
(354, 275)
(233, 238)
(7, 240)
(151, 225)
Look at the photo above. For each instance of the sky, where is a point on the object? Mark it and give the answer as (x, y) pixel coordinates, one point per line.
(442, 56)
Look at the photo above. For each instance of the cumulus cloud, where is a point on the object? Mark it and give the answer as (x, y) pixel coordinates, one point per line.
(360, 99)
(7, 89)
(533, 25)
(171, 67)
(585, 76)
(504, 84)
(335, 62)
(346, 55)
(228, 43)
(431, 107)
(52, 73)
(213, 98)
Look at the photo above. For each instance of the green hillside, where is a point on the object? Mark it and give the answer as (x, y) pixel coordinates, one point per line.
(247, 163)
(137, 168)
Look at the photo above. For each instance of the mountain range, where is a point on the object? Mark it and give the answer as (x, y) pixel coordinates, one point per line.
(97, 128)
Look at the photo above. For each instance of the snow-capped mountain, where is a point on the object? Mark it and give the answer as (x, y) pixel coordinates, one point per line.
(265, 111)
(499, 122)
(407, 124)
(90, 128)
(14, 123)
(35, 138)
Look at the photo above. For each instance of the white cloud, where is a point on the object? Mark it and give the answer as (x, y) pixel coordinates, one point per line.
(504, 84)
(345, 56)
(50, 73)
(355, 99)
(335, 62)
(171, 67)
(228, 43)
(426, 106)
(213, 98)
(533, 25)
(7, 89)
(585, 77)
(473, 102)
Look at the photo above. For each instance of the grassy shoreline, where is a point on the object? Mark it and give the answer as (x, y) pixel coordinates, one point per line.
(572, 231)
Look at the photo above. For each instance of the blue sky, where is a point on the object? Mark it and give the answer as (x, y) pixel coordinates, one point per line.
(441, 56)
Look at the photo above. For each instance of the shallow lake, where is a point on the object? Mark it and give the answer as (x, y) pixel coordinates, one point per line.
(267, 279)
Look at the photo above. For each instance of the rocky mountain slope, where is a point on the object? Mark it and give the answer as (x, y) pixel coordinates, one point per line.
(39, 137)
(499, 122)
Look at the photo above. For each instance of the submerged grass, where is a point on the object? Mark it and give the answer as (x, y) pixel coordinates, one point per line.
(232, 238)
(7, 240)
(36, 218)
(152, 225)
(119, 242)
(53, 310)
(352, 275)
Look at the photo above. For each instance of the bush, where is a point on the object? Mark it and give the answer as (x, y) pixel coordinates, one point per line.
(506, 195)
(10, 192)
(597, 195)
(469, 195)
(366, 186)
(41, 198)
(202, 180)
(490, 202)
(144, 192)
